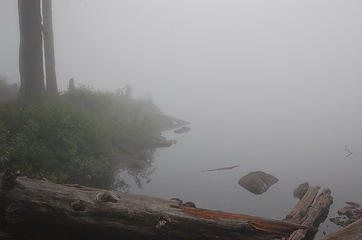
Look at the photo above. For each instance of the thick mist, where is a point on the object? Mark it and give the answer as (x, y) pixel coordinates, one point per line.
(270, 85)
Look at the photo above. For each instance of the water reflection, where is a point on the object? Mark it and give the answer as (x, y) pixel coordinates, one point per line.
(135, 169)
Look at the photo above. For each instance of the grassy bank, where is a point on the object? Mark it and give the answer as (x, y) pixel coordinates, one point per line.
(79, 137)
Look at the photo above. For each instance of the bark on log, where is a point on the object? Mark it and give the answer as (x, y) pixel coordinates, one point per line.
(301, 209)
(351, 232)
(5, 236)
(308, 214)
(45, 207)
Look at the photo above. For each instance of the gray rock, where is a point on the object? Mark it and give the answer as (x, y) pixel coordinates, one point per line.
(257, 182)
(353, 205)
(190, 204)
(349, 214)
(347, 211)
(179, 201)
(182, 130)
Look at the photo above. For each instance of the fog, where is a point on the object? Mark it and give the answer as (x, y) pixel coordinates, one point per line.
(270, 85)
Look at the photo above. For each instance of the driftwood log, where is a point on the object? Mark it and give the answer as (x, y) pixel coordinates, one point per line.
(37, 209)
(310, 212)
(351, 232)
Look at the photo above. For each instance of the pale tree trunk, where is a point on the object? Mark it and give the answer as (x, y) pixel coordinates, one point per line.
(48, 36)
(31, 49)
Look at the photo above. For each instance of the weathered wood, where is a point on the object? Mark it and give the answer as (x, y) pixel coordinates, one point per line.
(5, 236)
(315, 216)
(301, 190)
(9, 179)
(42, 206)
(218, 169)
(351, 232)
(310, 214)
(300, 210)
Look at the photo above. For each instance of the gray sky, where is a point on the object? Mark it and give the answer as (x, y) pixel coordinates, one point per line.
(243, 50)
(281, 60)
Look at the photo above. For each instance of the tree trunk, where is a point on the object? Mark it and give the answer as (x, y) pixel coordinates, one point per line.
(74, 211)
(31, 48)
(48, 36)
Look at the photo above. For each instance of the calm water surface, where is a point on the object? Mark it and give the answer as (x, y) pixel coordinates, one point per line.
(294, 154)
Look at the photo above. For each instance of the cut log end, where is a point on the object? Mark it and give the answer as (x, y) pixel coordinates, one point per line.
(8, 180)
(301, 190)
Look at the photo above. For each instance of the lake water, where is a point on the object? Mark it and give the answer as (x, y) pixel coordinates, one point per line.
(295, 155)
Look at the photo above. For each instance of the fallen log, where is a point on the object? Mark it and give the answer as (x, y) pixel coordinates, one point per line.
(351, 232)
(38, 207)
(5, 236)
(310, 214)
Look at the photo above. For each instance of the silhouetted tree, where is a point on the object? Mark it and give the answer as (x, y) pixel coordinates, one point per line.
(31, 48)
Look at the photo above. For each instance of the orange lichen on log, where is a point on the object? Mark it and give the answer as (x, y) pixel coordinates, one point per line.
(261, 224)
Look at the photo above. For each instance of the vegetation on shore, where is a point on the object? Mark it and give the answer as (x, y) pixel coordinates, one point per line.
(80, 137)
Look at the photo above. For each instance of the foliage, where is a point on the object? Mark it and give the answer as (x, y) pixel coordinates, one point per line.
(77, 137)
(8, 92)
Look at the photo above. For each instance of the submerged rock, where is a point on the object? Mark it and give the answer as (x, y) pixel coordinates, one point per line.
(301, 190)
(176, 200)
(353, 205)
(190, 204)
(347, 211)
(182, 130)
(257, 182)
(162, 142)
(349, 214)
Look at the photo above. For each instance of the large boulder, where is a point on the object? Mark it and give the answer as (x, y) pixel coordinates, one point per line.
(257, 182)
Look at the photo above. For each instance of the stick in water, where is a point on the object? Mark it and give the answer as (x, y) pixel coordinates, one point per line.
(218, 169)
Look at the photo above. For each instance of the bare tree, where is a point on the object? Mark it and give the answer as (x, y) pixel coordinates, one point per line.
(48, 36)
(31, 48)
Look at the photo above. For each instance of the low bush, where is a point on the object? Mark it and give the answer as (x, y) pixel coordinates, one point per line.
(76, 137)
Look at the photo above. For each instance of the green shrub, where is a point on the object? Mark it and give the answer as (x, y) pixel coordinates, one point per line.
(75, 137)
(8, 92)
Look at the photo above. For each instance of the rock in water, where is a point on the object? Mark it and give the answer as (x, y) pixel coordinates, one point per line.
(182, 130)
(257, 182)
(353, 205)
(347, 211)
